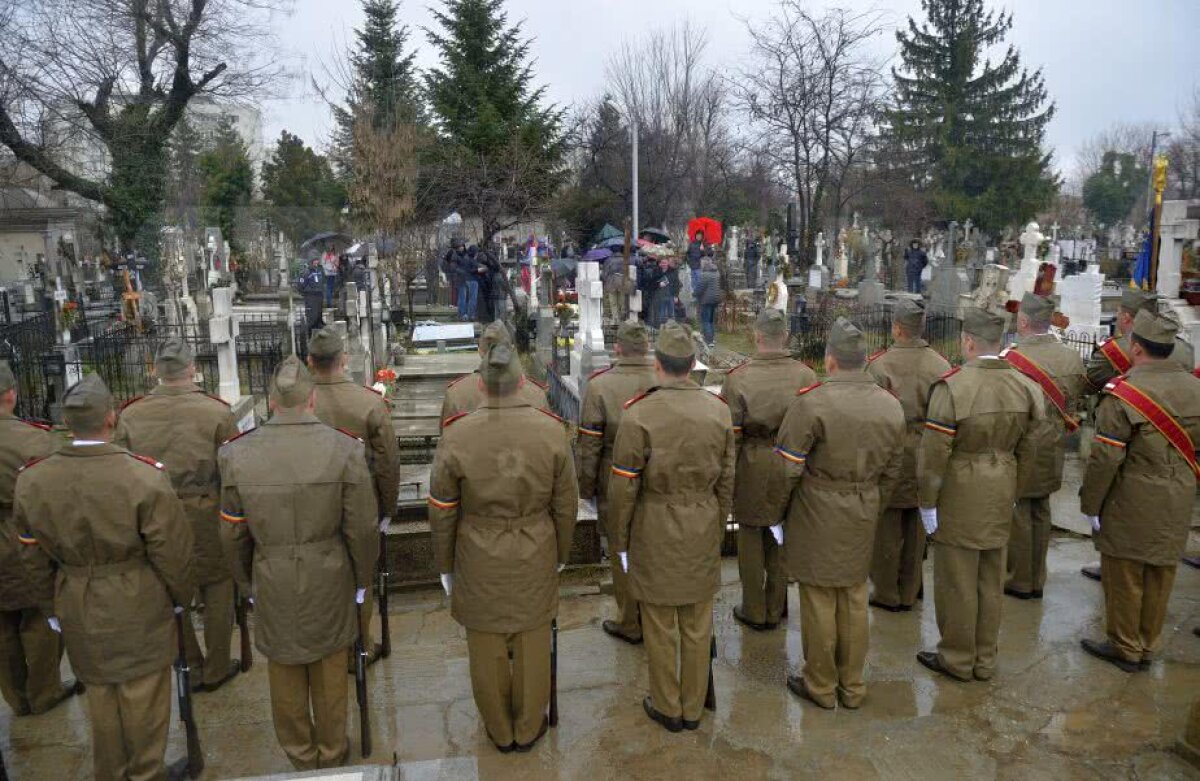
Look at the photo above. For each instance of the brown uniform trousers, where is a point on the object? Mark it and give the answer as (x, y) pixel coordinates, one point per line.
(600, 417)
(758, 392)
(1143, 491)
(142, 708)
(978, 447)
(510, 679)
(308, 709)
(908, 369)
(670, 493)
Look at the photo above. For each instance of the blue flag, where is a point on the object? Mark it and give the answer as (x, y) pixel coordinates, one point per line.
(1141, 267)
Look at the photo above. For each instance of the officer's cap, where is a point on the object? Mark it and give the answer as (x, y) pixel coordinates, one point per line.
(1134, 300)
(909, 313)
(292, 384)
(87, 404)
(8, 380)
(501, 369)
(1038, 308)
(771, 323)
(326, 343)
(1155, 328)
(496, 332)
(675, 341)
(845, 342)
(173, 358)
(633, 337)
(982, 324)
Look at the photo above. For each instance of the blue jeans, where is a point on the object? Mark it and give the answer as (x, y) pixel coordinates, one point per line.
(708, 322)
(330, 287)
(664, 308)
(468, 298)
(695, 280)
(914, 280)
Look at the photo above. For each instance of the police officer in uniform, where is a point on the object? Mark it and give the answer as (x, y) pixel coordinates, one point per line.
(1059, 372)
(502, 507)
(466, 393)
(1139, 489)
(363, 413)
(180, 426)
(108, 566)
(300, 531)
(30, 651)
(670, 493)
(842, 443)
(978, 446)
(603, 403)
(908, 369)
(758, 392)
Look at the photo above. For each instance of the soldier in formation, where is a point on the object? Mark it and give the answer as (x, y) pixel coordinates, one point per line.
(976, 449)
(502, 506)
(842, 442)
(759, 392)
(608, 391)
(299, 513)
(669, 495)
(467, 393)
(30, 651)
(181, 427)
(908, 369)
(108, 567)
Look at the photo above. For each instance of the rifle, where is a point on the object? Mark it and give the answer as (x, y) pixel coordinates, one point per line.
(710, 697)
(553, 673)
(381, 592)
(360, 686)
(183, 690)
(240, 608)
(3, 772)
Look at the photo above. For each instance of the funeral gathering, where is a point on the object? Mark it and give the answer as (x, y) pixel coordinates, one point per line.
(518, 389)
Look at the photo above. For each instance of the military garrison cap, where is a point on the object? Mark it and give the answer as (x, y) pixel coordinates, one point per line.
(771, 322)
(633, 336)
(1134, 300)
(495, 333)
(87, 404)
(1039, 308)
(982, 324)
(8, 380)
(845, 341)
(1155, 328)
(675, 341)
(326, 343)
(501, 369)
(909, 313)
(173, 358)
(292, 384)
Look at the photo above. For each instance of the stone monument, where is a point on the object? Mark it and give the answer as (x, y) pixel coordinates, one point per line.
(871, 290)
(1031, 240)
(1175, 229)
(818, 275)
(948, 280)
(588, 352)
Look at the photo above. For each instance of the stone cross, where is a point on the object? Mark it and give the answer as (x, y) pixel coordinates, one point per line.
(1054, 229)
(732, 254)
(967, 228)
(222, 332)
(60, 298)
(952, 242)
(819, 245)
(1031, 239)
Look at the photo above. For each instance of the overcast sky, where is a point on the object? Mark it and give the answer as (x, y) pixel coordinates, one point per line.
(1104, 60)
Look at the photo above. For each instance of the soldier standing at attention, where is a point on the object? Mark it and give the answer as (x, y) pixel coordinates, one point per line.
(30, 651)
(108, 566)
(363, 413)
(502, 508)
(977, 448)
(908, 369)
(181, 427)
(1139, 488)
(300, 531)
(1058, 371)
(603, 403)
(758, 392)
(670, 494)
(466, 393)
(842, 443)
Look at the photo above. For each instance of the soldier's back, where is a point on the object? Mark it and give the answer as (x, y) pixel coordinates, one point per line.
(20, 443)
(616, 385)
(182, 429)
(347, 405)
(909, 370)
(760, 390)
(465, 395)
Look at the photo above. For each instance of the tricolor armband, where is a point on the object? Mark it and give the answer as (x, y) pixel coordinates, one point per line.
(1107, 440)
(231, 517)
(591, 432)
(624, 471)
(737, 429)
(792, 455)
(940, 427)
(26, 539)
(442, 504)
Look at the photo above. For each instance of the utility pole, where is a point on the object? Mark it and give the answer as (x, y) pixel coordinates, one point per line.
(636, 226)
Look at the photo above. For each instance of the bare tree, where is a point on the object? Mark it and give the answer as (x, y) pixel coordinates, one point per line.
(1183, 153)
(116, 76)
(812, 90)
(1133, 138)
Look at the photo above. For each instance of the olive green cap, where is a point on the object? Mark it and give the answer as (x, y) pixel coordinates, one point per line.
(86, 404)
(771, 322)
(496, 332)
(173, 358)
(501, 369)
(909, 313)
(8, 380)
(845, 341)
(292, 384)
(633, 336)
(983, 324)
(1155, 328)
(1039, 308)
(1134, 300)
(675, 341)
(326, 343)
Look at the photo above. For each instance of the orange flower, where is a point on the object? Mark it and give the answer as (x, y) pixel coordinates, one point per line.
(385, 375)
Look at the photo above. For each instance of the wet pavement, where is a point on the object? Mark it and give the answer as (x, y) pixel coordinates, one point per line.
(1051, 712)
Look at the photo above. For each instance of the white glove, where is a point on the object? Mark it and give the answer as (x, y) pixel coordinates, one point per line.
(360, 596)
(562, 567)
(1094, 520)
(590, 506)
(777, 533)
(53, 622)
(447, 583)
(179, 610)
(929, 519)
(384, 524)
(624, 557)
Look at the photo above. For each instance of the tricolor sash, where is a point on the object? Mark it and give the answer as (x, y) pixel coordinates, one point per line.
(1162, 420)
(1027, 366)
(1116, 356)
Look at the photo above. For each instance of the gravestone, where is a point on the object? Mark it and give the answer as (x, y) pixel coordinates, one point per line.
(871, 290)
(1031, 239)
(818, 275)
(1175, 229)
(588, 353)
(992, 293)
(1080, 298)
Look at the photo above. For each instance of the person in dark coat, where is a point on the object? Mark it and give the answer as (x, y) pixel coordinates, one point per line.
(751, 260)
(474, 275)
(708, 299)
(695, 252)
(915, 261)
(651, 280)
(311, 287)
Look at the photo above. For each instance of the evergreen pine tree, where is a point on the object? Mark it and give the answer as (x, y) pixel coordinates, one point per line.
(970, 131)
(227, 181)
(301, 188)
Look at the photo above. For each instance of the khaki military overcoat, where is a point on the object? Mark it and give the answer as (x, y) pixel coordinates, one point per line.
(365, 414)
(20, 443)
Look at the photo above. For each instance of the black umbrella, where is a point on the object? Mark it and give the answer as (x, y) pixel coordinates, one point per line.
(564, 267)
(657, 235)
(329, 237)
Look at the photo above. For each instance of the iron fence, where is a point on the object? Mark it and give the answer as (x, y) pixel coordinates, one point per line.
(810, 331)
